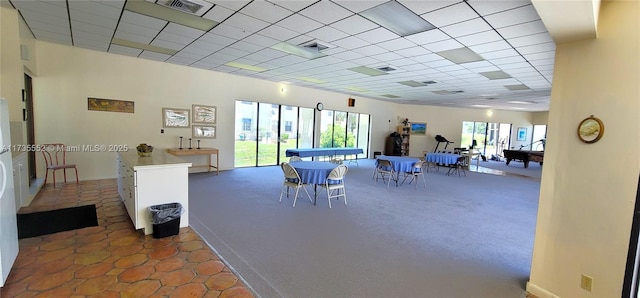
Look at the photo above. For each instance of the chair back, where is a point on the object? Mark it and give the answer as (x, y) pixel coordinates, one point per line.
(336, 160)
(383, 163)
(417, 167)
(294, 158)
(290, 172)
(54, 154)
(338, 173)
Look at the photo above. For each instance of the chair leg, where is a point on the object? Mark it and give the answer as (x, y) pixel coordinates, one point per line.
(77, 181)
(64, 174)
(295, 198)
(329, 197)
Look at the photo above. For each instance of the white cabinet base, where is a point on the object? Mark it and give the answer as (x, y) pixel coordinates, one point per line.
(147, 181)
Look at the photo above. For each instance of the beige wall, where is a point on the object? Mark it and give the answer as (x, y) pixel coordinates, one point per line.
(588, 191)
(11, 70)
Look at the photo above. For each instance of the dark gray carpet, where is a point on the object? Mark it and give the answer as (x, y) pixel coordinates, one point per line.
(460, 237)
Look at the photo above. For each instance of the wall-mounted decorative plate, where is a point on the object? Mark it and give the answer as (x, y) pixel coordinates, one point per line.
(590, 130)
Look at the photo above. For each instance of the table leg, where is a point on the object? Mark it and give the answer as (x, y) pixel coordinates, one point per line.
(315, 193)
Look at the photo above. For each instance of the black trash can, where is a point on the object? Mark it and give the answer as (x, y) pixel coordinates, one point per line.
(166, 219)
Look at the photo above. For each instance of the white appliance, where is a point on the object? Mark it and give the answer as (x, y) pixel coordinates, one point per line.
(8, 221)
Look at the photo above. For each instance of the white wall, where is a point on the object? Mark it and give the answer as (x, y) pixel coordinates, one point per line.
(588, 191)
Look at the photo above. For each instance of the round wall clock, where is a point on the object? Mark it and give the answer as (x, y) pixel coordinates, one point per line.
(590, 130)
(319, 106)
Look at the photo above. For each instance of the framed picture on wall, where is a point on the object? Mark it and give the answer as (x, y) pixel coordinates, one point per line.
(522, 134)
(204, 114)
(204, 131)
(175, 117)
(419, 128)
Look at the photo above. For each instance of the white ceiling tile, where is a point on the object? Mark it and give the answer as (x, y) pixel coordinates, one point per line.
(365, 61)
(79, 35)
(266, 11)
(387, 56)
(116, 49)
(396, 44)
(350, 43)
(354, 24)
(246, 22)
(40, 7)
(370, 50)
(401, 62)
(96, 8)
(230, 4)
(539, 56)
(490, 47)
(358, 6)
(428, 37)
(500, 54)
(229, 31)
(443, 45)
(327, 34)
(507, 60)
(538, 48)
(325, 12)
(247, 47)
(300, 39)
(218, 13)
(300, 24)
(450, 15)
(523, 29)
(80, 16)
(439, 63)
(43, 18)
(141, 20)
(427, 58)
(293, 5)
(530, 40)
(421, 7)
(167, 44)
(278, 33)
(175, 38)
(133, 37)
(512, 17)
(210, 38)
(466, 28)
(485, 7)
(261, 40)
(97, 30)
(113, 3)
(413, 51)
(478, 64)
(182, 30)
(479, 38)
(231, 52)
(377, 35)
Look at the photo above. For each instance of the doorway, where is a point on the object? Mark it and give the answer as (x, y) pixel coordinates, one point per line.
(28, 114)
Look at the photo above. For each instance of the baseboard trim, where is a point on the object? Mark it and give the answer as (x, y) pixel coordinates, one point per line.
(539, 292)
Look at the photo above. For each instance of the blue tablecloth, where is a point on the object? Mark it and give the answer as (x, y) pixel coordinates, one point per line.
(307, 152)
(443, 158)
(313, 172)
(400, 164)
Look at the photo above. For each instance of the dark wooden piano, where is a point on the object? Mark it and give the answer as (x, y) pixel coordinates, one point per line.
(524, 156)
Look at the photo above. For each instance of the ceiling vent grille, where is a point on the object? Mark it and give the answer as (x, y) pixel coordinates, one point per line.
(188, 6)
(314, 45)
(386, 69)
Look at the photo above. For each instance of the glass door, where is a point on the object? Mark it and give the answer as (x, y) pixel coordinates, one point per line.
(246, 134)
(268, 115)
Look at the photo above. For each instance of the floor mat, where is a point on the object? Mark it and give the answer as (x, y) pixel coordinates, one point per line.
(54, 221)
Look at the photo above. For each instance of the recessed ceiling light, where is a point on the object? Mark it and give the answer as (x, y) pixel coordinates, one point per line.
(142, 46)
(518, 108)
(357, 89)
(368, 71)
(245, 66)
(517, 87)
(412, 83)
(397, 19)
(519, 102)
(495, 75)
(171, 15)
(460, 55)
(442, 92)
(311, 80)
(480, 106)
(301, 51)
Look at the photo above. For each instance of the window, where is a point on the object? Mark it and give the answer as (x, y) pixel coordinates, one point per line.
(246, 123)
(287, 126)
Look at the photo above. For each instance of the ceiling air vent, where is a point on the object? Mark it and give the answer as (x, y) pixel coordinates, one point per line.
(429, 82)
(314, 45)
(386, 68)
(188, 6)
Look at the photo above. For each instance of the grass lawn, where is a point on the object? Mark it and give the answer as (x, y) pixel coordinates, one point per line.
(245, 153)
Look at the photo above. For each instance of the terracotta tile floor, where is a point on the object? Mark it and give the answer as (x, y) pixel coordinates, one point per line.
(113, 259)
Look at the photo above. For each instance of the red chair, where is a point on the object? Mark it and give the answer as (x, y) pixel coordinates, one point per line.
(55, 157)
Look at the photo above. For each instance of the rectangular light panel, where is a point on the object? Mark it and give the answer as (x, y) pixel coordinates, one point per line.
(397, 19)
(143, 46)
(368, 71)
(245, 66)
(460, 55)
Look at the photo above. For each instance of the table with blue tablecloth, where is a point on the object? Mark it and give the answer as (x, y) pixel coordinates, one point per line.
(401, 164)
(309, 152)
(442, 158)
(313, 172)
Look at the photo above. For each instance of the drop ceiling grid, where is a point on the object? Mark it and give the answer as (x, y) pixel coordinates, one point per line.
(248, 32)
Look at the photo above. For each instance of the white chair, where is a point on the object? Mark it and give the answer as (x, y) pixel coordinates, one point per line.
(336, 160)
(335, 182)
(416, 170)
(295, 158)
(292, 180)
(384, 170)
